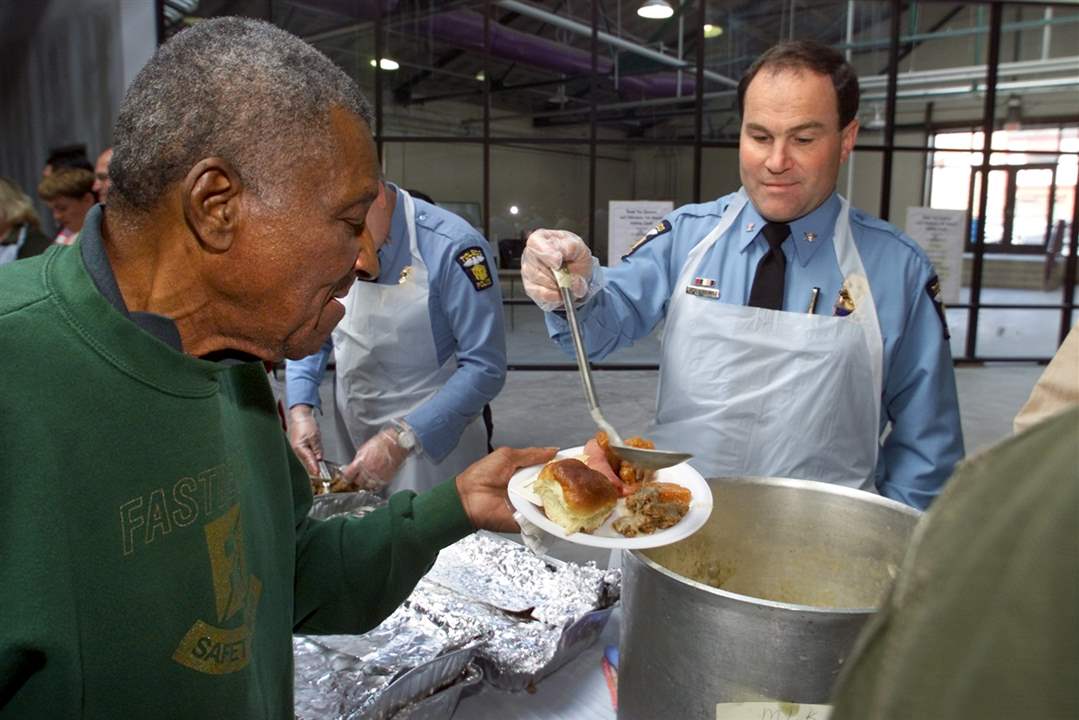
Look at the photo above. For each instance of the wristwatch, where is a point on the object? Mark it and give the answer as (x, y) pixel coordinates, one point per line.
(406, 438)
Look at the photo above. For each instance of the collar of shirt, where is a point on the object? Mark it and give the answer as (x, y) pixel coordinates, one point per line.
(96, 260)
(819, 225)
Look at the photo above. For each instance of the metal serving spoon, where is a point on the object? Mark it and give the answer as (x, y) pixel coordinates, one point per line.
(643, 458)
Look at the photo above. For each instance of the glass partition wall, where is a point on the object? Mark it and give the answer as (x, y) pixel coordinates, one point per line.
(558, 113)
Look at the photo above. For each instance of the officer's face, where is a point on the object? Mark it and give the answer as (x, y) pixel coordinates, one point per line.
(791, 146)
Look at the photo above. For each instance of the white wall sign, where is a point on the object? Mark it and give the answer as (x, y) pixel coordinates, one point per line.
(628, 221)
(941, 233)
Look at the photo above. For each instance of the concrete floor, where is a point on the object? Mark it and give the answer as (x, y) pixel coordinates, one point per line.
(548, 408)
(1001, 333)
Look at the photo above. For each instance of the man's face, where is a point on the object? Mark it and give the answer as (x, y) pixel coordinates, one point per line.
(297, 254)
(71, 212)
(101, 176)
(791, 147)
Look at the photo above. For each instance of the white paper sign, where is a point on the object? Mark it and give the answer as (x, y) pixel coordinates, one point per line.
(941, 233)
(771, 711)
(628, 221)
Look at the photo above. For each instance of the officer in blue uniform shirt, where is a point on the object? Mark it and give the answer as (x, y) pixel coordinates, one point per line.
(797, 328)
(419, 353)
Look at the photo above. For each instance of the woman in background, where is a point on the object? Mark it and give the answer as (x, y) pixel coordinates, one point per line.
(20, 228)
(69, 194)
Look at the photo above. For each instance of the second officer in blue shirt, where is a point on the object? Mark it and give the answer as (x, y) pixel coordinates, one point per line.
(797, 328)
(419, 353)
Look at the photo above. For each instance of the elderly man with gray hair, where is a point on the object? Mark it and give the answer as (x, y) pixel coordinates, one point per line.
(157, 553)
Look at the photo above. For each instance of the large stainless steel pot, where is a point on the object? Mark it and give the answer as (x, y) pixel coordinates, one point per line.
(762, 603)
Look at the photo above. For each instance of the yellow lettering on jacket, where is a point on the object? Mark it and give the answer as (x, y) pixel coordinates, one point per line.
(154, 515)
(224, 647)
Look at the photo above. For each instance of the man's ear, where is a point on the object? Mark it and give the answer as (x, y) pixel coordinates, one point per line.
(211, 193)
(848, 135)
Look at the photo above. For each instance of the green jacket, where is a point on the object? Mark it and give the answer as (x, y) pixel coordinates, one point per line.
(156, 550)
(983, 621)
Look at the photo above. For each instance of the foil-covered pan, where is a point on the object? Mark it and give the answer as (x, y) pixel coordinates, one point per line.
(420, 682)
(518, 616)
(441, 704)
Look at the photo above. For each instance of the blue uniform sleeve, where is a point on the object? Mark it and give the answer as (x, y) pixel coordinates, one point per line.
(474, 314)
(633, 298)
(303, 377)
(920, 400)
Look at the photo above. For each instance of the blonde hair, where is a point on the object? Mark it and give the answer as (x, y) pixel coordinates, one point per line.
(15, 207)
(66, 182)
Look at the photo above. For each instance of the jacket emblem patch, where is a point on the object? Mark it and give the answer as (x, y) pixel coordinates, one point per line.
(474, 264)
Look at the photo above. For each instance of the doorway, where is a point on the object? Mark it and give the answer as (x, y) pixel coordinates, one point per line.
(1019, 207)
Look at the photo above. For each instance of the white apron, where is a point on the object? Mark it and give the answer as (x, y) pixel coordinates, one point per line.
(387, 365)
(756, 392)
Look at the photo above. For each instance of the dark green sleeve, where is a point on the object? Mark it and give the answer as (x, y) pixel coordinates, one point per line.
(351, 573)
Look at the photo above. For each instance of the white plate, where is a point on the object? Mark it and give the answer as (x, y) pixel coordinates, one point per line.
(529, 505)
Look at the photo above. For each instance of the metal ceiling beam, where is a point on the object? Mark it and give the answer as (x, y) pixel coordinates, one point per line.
(975, 72)
(622, 43)
(1046, 85)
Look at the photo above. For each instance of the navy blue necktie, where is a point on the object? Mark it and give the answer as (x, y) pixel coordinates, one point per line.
(767, 290)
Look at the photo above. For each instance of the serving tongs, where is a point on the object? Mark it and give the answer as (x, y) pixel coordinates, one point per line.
(328, 473)
(641, 457)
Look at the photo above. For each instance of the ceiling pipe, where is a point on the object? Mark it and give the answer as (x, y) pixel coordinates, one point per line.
(621, 43)
(1048, 85)
(904, 80)
(464, 28)
(975, 72)
(459, 19)
(663, 89)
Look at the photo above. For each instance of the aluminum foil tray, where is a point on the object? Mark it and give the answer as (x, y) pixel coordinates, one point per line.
(488, 599)
(441, 704)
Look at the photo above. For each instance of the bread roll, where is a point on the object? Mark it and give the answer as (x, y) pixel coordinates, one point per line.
(575, 496)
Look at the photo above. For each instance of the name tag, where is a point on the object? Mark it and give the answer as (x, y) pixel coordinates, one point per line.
(706, 292)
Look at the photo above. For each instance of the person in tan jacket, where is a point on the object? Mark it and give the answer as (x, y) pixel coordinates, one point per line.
(1058, 387)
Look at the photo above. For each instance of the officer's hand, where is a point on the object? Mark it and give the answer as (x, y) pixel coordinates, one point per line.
(549, 249)
(377, 461)
(482, 486)
(304, 437)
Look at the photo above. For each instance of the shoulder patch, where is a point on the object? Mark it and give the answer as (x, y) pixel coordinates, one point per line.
(474, 264)
(932, 288)
(661, 228)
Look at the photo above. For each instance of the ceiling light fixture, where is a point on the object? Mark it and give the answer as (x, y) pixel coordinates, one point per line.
(655, 10)
(386, 64)
(712, 31)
